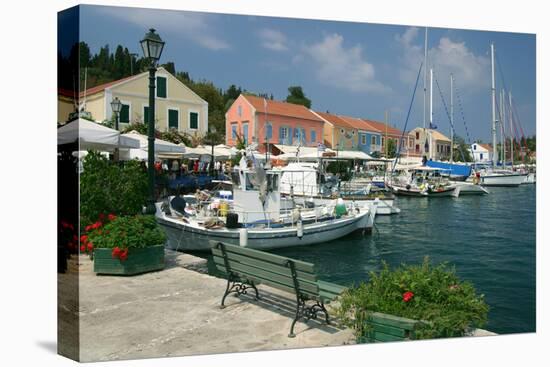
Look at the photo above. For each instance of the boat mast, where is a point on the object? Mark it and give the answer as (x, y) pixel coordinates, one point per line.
(493, 98)
(425, 73)
(510, 116)
(503, 127)
(452, 119)
(431, 110)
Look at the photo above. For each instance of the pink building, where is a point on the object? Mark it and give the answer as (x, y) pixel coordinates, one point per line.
(287, 123)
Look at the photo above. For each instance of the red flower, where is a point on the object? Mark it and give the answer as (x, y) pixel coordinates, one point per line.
(407, 296)
(82, 248)
(90, 246)
(101, 216)
(89, 227)
(84, 238)
(75, 239)
(64, 224)
(111, 217)
(123, 255)
(116, 252)
(97, 224)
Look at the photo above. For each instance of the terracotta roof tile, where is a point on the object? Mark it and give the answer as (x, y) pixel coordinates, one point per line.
(335, 120)
(382, 127)
(102, 87)
(359, 124)
(281, 108)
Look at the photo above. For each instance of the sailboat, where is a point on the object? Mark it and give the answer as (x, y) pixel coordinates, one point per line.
(494, 176)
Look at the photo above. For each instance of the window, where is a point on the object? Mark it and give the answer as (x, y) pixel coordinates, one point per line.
(193, 120)
(161, 87)
(475, 147)
(124, 113)
(234, 131)
(383, 141)
(417, 135)
(269, 131)
(373, 140)
(283, 135)
(240, 110)
(313, 136)
(145, 114)
(363, 139)
(480, 156)
(245, 132)
(417, 148)
(173, 119)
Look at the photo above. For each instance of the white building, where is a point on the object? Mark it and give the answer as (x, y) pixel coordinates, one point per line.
(483, 153)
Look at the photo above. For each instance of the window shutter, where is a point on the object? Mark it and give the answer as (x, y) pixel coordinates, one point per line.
(161, 87)
(124, 113)
(281, 135)
(173, 119)
(290, 137)
(193, 120)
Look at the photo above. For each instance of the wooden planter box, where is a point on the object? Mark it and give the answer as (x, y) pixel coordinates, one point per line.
(385, 328)
(140, 260)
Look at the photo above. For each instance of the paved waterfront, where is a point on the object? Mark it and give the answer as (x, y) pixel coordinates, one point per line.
(175, 312)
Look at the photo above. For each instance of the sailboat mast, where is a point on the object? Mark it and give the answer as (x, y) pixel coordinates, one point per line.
(431, 110)
(510, 116)
(452, 120)
(503, 126)
(425, 72)
(493, 98)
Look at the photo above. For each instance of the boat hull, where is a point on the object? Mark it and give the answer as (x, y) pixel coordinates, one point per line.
(467, 188)
(188, 237)
(506, 180)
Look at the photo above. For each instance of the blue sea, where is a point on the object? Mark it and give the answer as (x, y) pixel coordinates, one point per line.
(490, 240)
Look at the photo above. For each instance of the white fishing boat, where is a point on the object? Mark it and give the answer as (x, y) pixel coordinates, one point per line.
(469, 188)
(304, 183)
(257, 221)
(421, 181)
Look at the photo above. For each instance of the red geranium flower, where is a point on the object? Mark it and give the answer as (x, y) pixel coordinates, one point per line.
(89, 227)
(90, 246)
(407, 296)
(123, 255)
(97, 225)
(64, 224)
(82, 248)
(111, 217)
(101, 216)
(84, 238)
(116, 252)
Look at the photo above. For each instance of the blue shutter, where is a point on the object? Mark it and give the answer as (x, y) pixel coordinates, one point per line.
(269, 131)
(290, 136)
(281, 135)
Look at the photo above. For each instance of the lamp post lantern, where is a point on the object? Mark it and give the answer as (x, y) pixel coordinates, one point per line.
(152, 46)
(116, 106)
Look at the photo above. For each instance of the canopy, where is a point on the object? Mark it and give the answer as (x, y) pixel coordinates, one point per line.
(196, 152)
(161, 146)
(91, 135)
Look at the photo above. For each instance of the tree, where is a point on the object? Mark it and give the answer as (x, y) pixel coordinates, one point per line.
(462, 151)
(296, 95)
(391, 148)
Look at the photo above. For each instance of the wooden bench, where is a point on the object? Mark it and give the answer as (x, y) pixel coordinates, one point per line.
(384, 328)
(245, 268)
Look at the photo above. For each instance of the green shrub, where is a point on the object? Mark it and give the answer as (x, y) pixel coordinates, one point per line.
(125, 232)
(111, 187)
(433, 294)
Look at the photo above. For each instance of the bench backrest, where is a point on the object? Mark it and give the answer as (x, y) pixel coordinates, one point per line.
(273, 270)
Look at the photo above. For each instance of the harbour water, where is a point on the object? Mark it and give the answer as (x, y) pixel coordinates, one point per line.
(489, 239)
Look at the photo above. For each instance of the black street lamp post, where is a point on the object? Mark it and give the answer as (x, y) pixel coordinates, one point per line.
(116, 106)
(152, 46)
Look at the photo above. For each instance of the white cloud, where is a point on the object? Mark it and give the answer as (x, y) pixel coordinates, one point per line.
(341, 67)
(273, 40)
(196, 27)
(446, 57)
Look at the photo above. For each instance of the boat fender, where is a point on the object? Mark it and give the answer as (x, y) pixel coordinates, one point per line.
(300, 229)
(243, 237)
(408, 187)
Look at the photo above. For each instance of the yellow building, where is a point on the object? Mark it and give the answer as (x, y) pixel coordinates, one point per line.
(176, 106)
(431, 143)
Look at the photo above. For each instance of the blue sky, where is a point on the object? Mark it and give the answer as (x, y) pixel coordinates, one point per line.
(355, 69)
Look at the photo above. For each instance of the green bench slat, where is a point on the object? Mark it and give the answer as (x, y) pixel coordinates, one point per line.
(274, 268)
(391, 330)
(265, 256)
(391, 320)
(327, 297)
(266, 276)
(330, 287)
(382, 337)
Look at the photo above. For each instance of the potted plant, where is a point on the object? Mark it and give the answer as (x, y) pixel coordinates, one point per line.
(412, 302)
(125, 245)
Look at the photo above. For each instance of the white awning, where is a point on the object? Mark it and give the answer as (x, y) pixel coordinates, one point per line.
(93, 136)
(161, 146)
